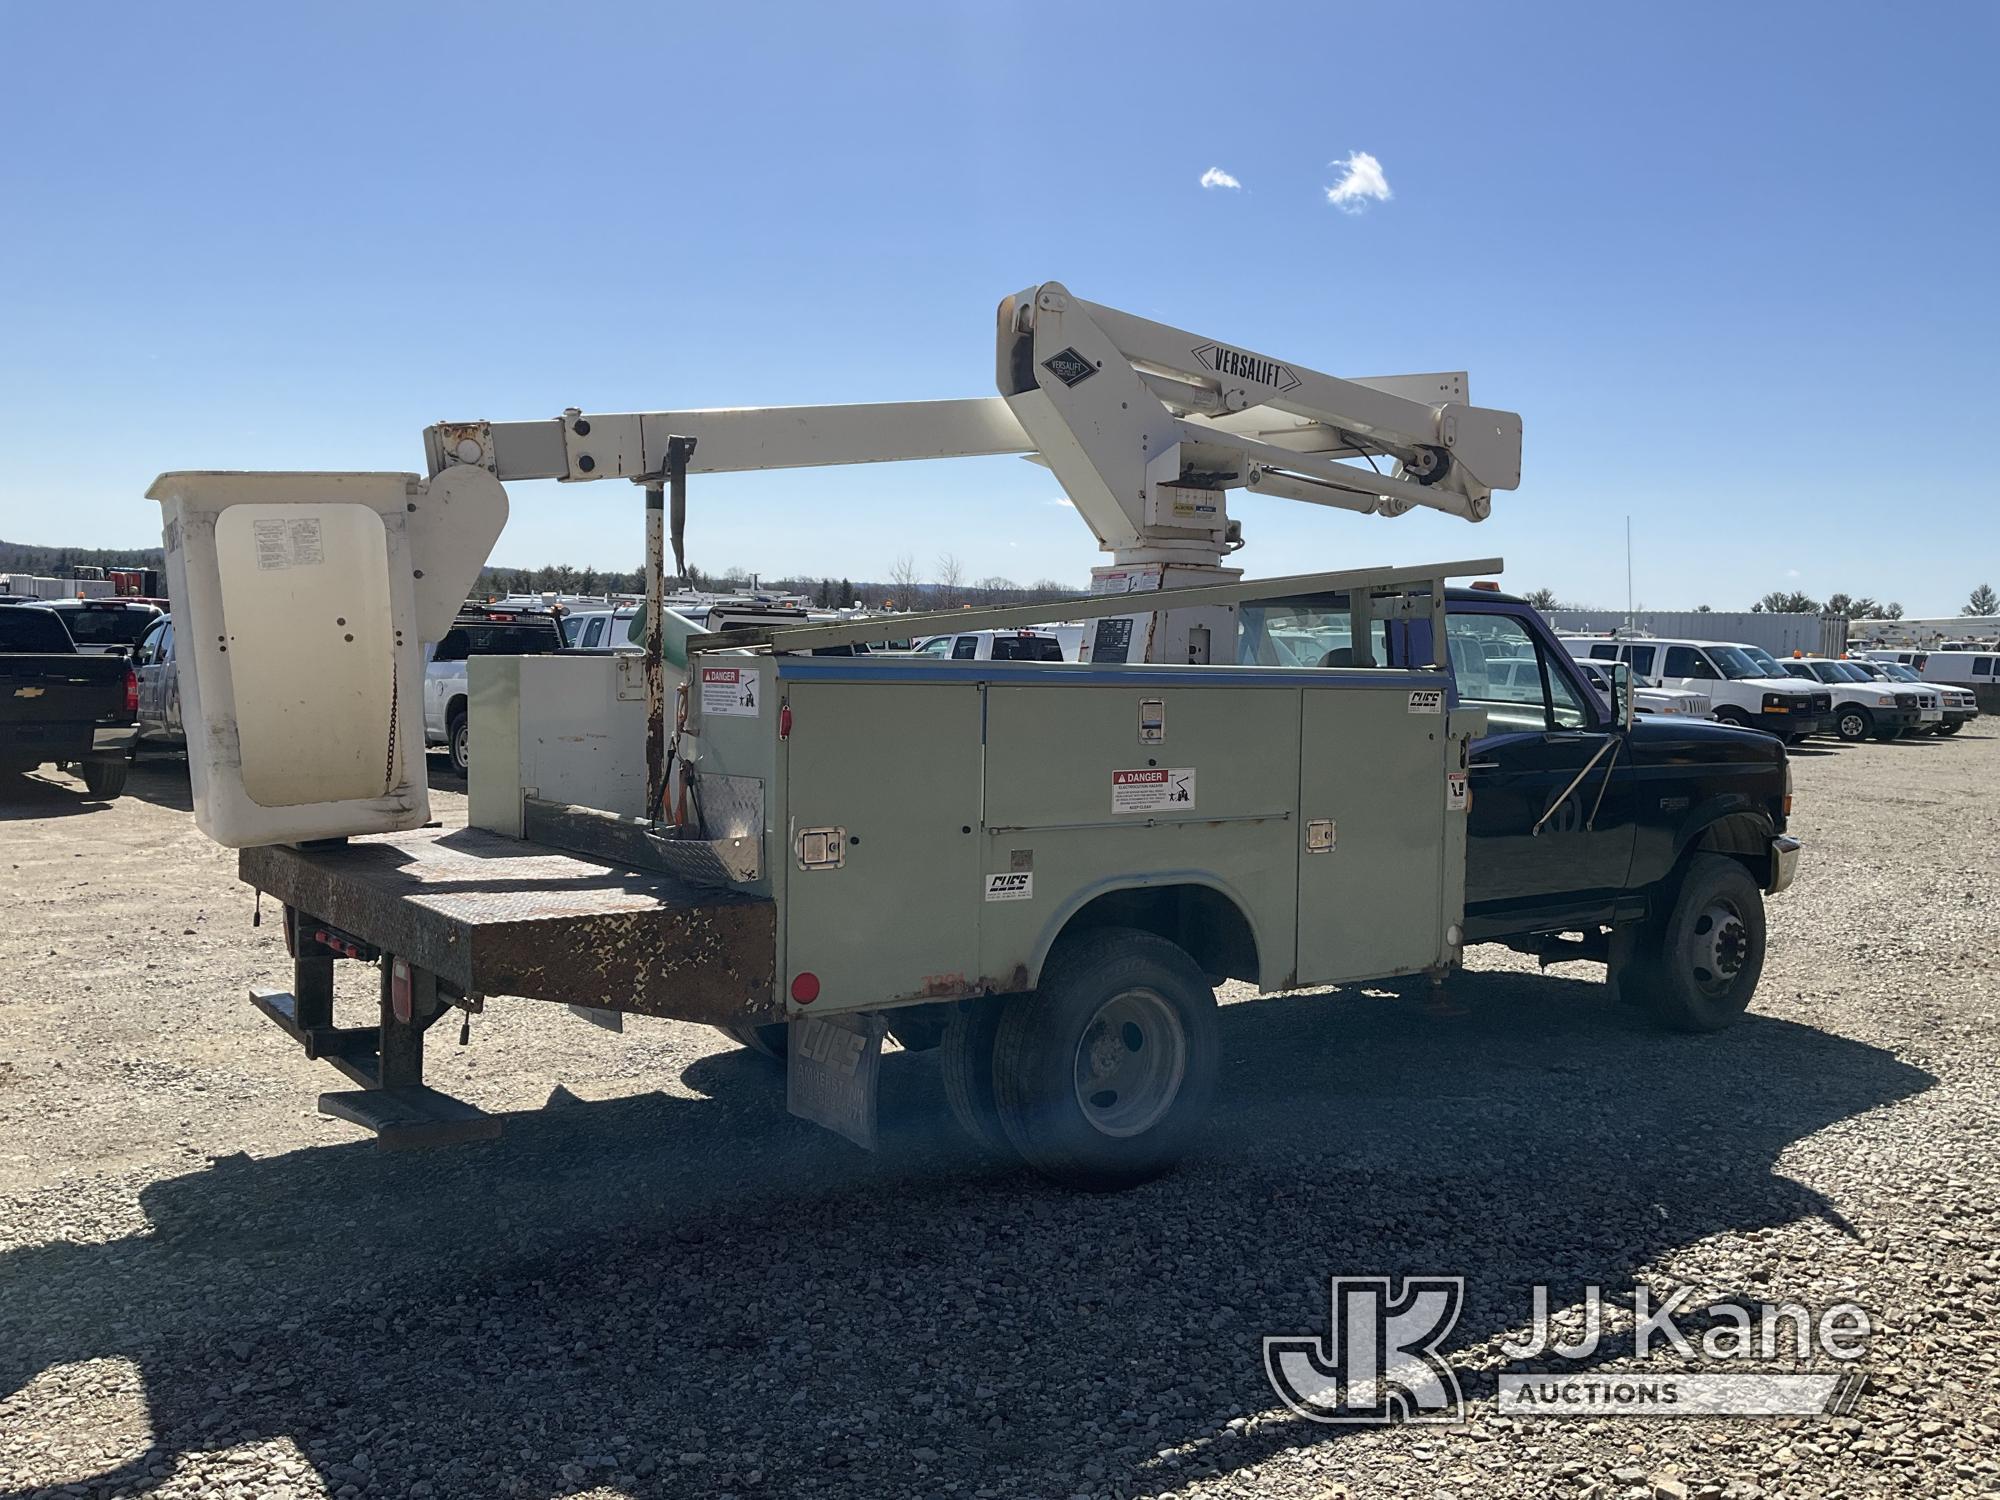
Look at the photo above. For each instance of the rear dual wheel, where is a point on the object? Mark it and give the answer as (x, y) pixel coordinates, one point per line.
(1101, 1077)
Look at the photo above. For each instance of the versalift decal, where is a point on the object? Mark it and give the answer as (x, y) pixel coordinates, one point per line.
(1069, 367)
(1238, 365)
(729, 692)
(1155, 789)
(1017, 885)
(1427, 701)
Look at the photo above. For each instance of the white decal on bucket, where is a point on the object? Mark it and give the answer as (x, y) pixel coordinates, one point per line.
(1427, 701)
(1018, 885)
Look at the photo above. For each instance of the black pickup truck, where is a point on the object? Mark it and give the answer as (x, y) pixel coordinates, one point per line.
(61, 706)
(1648, 844)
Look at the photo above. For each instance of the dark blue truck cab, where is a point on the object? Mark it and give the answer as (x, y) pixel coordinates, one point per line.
(1646, 843)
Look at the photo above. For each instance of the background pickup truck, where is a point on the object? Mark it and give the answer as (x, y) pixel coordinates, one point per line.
(59, 706)
(1647, 846)
(477, 632)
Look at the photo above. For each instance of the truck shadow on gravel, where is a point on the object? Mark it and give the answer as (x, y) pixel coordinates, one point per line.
(698, 1296)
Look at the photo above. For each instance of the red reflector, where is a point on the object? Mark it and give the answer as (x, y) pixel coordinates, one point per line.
(131, 692)
(805, 988)
(399, 988)
(785, 721)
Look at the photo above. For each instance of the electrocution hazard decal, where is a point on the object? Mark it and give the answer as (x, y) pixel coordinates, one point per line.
(1155, 789)
(729, 691)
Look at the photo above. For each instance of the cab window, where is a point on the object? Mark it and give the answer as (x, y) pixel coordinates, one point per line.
(1315, 631)
(1498, 665)
(1982, 666)
(1641, 658)
(937, 646)
(593, 633)
(966, 648)
(154, 647)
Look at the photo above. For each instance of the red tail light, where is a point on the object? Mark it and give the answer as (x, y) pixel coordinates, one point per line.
(805, 988)
(131, 692)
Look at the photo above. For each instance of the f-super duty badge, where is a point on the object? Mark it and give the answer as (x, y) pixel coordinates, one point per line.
(1427, 700)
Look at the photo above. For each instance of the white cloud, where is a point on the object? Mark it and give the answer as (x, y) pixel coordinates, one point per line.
(1064, 500)
(1215, 177)
(1360, 180)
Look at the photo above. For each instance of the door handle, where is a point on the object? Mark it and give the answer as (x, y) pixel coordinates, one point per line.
(1482, 765)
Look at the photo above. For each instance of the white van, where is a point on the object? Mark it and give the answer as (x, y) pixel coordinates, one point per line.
(1740, 689)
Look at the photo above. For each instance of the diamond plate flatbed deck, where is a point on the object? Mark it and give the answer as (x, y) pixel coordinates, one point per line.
(498, 916)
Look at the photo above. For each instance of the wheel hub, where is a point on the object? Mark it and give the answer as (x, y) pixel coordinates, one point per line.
(1721, 945)
(1130, 1062)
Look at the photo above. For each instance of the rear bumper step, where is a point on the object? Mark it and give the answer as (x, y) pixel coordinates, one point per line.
(410, 1117)
(404, 1114)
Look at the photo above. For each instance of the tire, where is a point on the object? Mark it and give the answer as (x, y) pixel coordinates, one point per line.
(1855, 723)
(965, 1061)
(1104, 1074)
(458, 742)
(916, 1030)
(1886, 735)
(768, 1040)
(1944, 729)
(106, 778)
(1708, 953)
(1734, 717)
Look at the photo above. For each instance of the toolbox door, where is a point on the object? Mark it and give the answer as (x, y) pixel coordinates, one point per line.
(1372, 801)
(881, 879)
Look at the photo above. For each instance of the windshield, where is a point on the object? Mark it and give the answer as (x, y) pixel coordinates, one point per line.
(1737, 664)
(1848, 672)
(1899, 673)
(1765, 660)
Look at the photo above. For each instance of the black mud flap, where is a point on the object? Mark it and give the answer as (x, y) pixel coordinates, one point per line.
(832, 1066)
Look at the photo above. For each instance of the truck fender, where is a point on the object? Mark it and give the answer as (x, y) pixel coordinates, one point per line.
(1730, 824)
(1219, 951)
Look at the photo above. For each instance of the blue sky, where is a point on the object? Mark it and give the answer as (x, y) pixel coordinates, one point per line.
(1733, 264)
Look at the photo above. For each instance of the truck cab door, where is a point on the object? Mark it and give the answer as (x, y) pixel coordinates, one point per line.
(1551, 825)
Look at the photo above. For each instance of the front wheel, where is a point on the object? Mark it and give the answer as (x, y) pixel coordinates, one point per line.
(1855, 724)
(1697, 968)
(1104, 1074)
(106, 778)
(1952, 728)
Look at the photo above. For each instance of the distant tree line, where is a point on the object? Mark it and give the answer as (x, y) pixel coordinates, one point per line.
(944, 585)
(55, 562)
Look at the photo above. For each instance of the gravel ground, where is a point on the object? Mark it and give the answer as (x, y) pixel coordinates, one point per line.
(662, 1285)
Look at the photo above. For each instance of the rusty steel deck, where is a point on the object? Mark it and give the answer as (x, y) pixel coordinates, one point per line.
(497, 916)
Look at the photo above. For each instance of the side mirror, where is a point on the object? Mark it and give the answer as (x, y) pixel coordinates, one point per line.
(1623, 699)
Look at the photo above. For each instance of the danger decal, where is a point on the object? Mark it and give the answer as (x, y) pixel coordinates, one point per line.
(1155, 789)
(731, 692)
